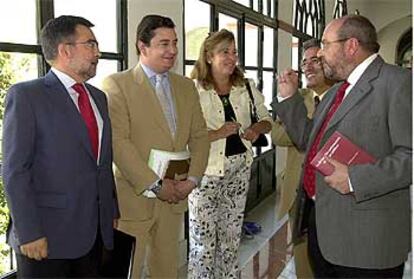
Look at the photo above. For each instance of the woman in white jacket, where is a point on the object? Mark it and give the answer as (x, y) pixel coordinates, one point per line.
(217, 206)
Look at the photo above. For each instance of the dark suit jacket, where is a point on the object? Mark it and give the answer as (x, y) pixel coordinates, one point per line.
(54, 186)
(371, 227)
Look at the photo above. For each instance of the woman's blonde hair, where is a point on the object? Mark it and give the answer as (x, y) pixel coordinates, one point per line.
(202, 69)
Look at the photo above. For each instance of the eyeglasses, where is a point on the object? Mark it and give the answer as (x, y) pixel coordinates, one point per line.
(312, 61)
(92, 44)
(324, 44)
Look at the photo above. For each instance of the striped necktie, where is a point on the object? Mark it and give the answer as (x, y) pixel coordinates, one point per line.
(166, 104)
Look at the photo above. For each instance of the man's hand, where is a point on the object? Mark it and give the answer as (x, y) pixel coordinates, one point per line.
(339, 178)
(184, 188)
(168, 191)
(36, 250)
(288, 83)
(115, 223)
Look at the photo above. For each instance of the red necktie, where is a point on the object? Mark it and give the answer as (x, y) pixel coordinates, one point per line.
(88, 116)
(309, 177)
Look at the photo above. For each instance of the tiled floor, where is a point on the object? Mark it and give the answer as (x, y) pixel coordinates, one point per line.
(268, 255)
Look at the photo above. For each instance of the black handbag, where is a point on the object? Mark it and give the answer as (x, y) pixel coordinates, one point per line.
(261, 140)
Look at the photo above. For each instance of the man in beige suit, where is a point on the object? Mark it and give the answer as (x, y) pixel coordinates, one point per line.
(317, 86)
(152, 108)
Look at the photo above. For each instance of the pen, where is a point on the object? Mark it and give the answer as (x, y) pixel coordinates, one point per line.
(240, 128)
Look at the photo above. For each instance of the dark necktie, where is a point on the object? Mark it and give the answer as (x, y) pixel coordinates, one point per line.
(309, 176)
(316, 102)
(88, 116)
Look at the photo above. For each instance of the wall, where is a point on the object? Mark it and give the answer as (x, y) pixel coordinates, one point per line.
(389, 36)
(137, 9)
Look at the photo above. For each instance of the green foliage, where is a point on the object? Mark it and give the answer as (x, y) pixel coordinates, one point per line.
(12, 69)
(6, 78)
(195, 38)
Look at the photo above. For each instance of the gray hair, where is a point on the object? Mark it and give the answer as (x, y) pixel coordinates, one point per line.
(310, 44)
(59, 30)
(359, 27)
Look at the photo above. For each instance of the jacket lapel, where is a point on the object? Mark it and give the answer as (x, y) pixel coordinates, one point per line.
(61, 99)
(147, 91)
(360, 90)
(325, 106)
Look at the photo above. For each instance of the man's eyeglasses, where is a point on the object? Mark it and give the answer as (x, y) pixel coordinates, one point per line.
(324, 43)
(312, 61)
(93, 44)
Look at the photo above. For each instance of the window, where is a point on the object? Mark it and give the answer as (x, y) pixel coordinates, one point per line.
(24, 25)
(197, 27)
(340, 9)
(21, 58)
(229, 23)
(405, 50)
(309, 17)
(106, 30)
(251, 45)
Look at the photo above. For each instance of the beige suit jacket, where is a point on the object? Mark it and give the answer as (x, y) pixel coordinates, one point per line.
(288, 181)
(139, 125)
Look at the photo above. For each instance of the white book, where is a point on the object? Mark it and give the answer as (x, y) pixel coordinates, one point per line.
(168, 163)
(159, 160)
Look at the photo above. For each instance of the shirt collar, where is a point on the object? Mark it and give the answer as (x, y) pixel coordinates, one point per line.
(360, 69)
(151, 73)
(67, 81)
(320, 96)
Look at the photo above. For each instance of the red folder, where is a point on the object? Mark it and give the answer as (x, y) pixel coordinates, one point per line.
(341, 149)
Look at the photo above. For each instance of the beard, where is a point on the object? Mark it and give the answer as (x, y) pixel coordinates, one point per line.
(88, 72)
(330, 72)
(84, 69)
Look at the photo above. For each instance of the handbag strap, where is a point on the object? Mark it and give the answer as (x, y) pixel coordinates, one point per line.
(249, 90)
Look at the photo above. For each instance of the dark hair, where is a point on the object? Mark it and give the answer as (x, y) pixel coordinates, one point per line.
(202, 69)
(359, 27)
(145, 29)
(59, 30)
(310, 44)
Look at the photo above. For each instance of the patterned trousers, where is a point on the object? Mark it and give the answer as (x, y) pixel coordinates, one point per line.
(216, 210)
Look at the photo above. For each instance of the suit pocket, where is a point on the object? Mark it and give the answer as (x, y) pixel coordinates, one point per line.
(180, 208)
(133, 207)
(53, 200)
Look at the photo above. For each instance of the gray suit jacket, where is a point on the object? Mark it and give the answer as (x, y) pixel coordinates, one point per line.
(54, 186)
(371, 227)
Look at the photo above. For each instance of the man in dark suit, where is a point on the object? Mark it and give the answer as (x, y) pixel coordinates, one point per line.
(359, 221)
(57, 160)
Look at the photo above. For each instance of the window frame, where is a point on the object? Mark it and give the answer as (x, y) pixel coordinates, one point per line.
(45, 12)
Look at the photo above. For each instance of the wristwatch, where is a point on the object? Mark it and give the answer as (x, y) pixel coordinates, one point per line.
(156, 188)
